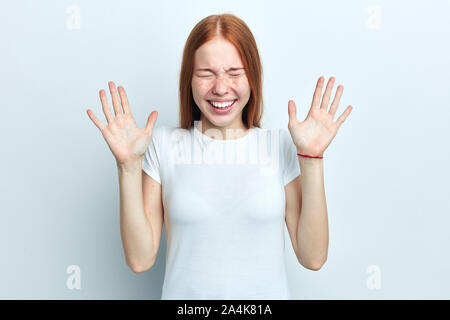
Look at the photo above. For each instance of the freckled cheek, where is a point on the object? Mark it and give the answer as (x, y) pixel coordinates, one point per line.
(241, 86)
(201, 87)
(204, 87)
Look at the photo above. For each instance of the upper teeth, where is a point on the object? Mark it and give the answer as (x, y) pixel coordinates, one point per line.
(222, 104)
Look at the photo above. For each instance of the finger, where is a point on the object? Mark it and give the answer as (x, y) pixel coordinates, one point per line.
(115, 98)
(344, 116)
(105, 106)
(317, 93)
(124, 99)
(151, 122)
(292, 111)
(94, 119)
(336, 100)
(327, 94)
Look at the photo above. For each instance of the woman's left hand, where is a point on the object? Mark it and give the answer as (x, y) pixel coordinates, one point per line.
(315, 133)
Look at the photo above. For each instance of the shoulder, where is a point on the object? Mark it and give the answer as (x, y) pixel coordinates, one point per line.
(159, 136)
(173, 132)
(165, 134)
(285, 138)
(162, 131)
(157, 130)
(281, 135)
(284, 134)
(276, 137)
(287, 146)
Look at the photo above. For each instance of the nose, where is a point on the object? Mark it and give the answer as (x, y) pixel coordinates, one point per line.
(220, 85)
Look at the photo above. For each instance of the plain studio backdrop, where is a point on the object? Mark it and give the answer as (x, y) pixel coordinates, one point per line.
(386, 171)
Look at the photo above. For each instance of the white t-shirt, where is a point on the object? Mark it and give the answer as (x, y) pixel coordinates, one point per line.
(224, 205)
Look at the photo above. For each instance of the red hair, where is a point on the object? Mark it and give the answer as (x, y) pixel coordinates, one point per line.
(235, 30)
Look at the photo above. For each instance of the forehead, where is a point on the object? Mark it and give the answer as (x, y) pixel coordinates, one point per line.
(217, 53)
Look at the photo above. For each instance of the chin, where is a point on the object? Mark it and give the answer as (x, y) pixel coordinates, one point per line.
(222, 121)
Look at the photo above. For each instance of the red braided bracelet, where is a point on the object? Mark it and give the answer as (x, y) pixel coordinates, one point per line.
(304, 155)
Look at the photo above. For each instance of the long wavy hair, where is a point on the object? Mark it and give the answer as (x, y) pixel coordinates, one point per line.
(235, 30)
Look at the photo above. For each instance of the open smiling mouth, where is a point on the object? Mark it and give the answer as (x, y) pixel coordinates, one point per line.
(222, 110)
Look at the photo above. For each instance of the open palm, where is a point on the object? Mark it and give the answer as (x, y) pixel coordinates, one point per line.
(126, 141)
(313, 135)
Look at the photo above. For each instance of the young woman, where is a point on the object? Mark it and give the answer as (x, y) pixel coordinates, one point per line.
(224, 200)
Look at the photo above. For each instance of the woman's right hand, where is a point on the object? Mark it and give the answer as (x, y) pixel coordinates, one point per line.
(127, 142)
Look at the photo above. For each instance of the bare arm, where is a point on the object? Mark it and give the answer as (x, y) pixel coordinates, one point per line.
(140, 197)
(309, 232)
(135, 227)
(312, 229)
(306, 214)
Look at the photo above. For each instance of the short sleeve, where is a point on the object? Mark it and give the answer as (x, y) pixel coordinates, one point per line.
(291, 167)
(152, 156)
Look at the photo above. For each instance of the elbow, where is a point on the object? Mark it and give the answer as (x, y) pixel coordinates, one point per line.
(140, 268)
(136, 269)
(315, 266)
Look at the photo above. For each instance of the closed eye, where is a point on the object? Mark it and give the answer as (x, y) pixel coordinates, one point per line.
(231, 74)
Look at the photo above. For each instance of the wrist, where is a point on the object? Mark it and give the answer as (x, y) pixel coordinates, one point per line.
(130, 166)
(309, 154)
(307, 164)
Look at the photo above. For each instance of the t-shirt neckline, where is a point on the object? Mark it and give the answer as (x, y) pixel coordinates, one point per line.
(208, 138)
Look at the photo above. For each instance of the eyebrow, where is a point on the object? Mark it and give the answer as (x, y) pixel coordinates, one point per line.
(206, 69)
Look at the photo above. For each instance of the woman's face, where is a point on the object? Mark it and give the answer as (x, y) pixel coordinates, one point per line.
(219, 77)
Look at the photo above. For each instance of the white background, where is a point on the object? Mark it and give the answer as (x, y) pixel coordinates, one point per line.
(386, 171)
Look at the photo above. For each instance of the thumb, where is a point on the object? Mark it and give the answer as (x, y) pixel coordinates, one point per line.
(292, 110)
(151, 121)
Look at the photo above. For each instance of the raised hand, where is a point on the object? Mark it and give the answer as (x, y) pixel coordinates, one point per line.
(313, 135)
(127, 142)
